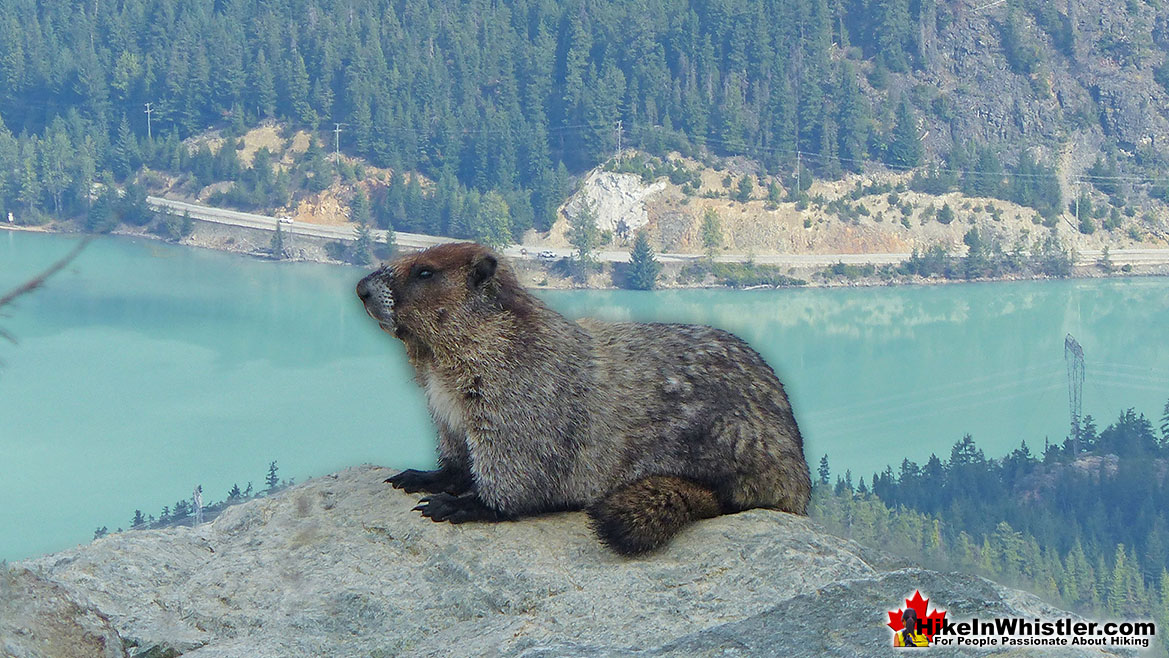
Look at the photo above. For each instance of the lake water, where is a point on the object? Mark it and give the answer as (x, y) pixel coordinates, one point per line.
(145, 369)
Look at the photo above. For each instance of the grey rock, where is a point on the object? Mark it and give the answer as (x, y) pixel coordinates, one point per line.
(38, 619)
(340, 565)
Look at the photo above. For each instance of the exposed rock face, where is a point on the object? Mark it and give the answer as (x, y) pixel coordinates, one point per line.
(1098, 83)
(339, 565)
(39, 619)
(615, 197)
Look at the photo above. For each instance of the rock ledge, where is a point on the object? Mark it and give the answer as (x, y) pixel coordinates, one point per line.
(339, 565)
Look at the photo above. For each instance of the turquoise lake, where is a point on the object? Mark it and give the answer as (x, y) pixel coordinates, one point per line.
(146, 369)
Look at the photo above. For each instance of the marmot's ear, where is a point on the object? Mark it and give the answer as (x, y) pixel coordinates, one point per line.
(482, 269)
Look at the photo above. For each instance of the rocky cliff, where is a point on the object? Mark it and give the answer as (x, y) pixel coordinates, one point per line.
(340, 566)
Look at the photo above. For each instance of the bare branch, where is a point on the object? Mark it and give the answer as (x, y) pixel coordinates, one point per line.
(39, 280)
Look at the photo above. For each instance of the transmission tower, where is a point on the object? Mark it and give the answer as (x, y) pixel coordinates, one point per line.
(1073, 355)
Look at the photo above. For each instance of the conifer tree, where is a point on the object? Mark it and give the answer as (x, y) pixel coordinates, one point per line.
(272, 479)
(361, 253)
(125, 154)
(1165, 426)
(492, 225)
(276, 247)
(643, 265)
(583, 232)
(712, 235)
(359, 212)
(905, 149)
(390, 240)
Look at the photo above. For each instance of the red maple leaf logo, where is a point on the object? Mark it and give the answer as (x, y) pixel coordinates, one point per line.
(919, 606)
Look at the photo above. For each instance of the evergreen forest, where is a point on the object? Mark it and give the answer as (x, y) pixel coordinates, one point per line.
(499, 104)
(1082, 523)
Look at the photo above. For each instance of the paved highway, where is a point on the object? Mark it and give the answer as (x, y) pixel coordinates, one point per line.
(420, 241)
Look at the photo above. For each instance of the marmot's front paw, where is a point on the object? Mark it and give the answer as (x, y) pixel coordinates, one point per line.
(456, 509)
(449, 481)
(411, 480)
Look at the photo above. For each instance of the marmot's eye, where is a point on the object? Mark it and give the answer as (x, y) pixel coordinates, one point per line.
(424, 273)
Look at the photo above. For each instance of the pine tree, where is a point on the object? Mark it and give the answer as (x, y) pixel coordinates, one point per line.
(774, 194)
(359, 212)
(276, 247)
(583, 232)
(945, 214)
(643, 265)
(101, 217)
(361, 253)
(125, 153)
(746, 187)
(187, 225)
(855, 119)
(390, 240)
(272, 479)
(1119, 600)
(712, 234)
(893, 30)
(1165, 426)
(905, 149)
(414, 202)
(264, 86)
(56, 153)
(492, 224)
(138, 519)
(823, 471)
(298, 91)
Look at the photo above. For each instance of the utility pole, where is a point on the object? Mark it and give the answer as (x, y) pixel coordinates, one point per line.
(198, 498)
(620, 133)
(1073, 354)
(337, 141)
(799, 76)
(148, 111)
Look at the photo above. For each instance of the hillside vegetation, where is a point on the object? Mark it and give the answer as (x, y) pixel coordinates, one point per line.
(500, 105)
(1082, 523)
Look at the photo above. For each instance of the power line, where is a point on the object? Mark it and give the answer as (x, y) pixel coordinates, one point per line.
(989, 5)
(798, 154)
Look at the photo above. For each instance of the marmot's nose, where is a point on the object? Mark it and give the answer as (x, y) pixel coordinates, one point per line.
(363, 289)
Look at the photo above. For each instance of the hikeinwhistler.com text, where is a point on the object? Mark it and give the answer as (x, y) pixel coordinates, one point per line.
(1019, 632)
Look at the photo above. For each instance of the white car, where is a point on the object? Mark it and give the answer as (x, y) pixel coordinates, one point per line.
(547, 255)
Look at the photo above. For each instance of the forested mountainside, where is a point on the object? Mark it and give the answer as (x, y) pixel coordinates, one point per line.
(1082, 522)
(1013, 100)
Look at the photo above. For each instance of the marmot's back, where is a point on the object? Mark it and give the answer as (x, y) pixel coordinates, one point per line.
(696, 401)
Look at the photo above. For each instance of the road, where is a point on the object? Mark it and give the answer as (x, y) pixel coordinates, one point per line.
(264, 222)
(420, 241)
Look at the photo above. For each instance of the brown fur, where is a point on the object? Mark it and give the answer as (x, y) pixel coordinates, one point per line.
(645, 514)
(648, 426)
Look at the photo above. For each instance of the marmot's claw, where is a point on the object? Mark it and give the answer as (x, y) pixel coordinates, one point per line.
(411, 480)
(431, 482)
(437, 507)
(454, 509)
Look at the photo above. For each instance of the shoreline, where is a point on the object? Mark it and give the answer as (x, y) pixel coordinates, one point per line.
(537, 275)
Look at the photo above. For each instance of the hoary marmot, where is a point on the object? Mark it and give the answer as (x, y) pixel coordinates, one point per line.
(647, 427)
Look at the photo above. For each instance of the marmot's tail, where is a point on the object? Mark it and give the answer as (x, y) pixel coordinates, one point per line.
(643, 515)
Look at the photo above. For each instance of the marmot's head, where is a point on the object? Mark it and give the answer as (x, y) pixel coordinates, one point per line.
(442, 293)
